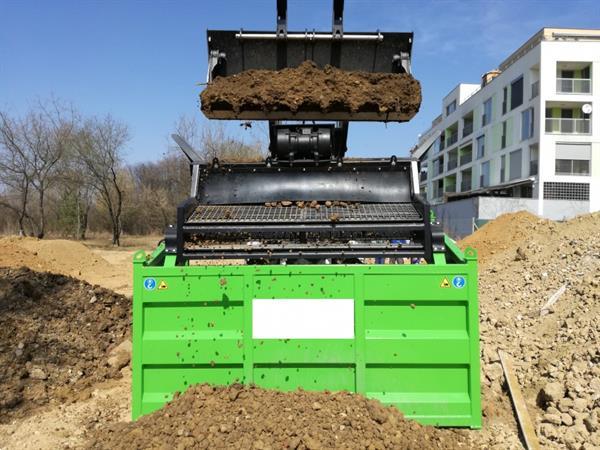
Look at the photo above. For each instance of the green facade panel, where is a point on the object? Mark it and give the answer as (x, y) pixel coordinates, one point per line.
(415, 340)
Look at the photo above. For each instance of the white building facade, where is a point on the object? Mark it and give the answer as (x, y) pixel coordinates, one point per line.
(527, 135)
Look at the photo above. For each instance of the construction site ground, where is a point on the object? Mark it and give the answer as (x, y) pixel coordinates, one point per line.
(65, 355)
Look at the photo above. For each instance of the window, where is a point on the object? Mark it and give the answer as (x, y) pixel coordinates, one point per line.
(487, 112)
(533, 160)
(577, 167)
(502, 168)
(516, 93)
(484, 178)
(573, 159)
(451, 108)
(503, 137)
(527, 124)
(515, 162)
(481, 146)
(566, 191)
(504, 99)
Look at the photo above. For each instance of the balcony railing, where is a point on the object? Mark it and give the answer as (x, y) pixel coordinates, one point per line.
(467, 129)
(574, 85)
(452, 163)
(568, 126)
(423, 176)
(466, 158)
(452, 139)
(465, 186)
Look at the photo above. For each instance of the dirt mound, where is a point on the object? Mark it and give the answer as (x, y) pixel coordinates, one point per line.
(556, 352)
(502, 233)
(55, 336)
(61, 256)
(238, 416)
(308, 88)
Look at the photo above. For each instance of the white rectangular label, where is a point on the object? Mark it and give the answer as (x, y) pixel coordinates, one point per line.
(303, 319)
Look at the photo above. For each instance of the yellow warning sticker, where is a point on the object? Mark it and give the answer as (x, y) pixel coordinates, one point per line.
(162, 285)
(445, 283)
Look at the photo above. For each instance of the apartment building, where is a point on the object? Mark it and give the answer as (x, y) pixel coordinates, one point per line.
(526, 137)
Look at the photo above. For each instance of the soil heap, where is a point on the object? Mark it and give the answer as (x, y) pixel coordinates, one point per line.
(248, 417)
(62, 256)
(307, 88)
(56, 334)
(556, 353)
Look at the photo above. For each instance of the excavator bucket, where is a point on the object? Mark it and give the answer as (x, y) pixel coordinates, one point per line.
(369, 78)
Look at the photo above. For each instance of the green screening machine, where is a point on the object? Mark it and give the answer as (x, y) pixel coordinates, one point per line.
(308, 269)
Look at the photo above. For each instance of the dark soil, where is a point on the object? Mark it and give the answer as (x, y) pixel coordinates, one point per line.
(55, 332)
(240, 417)
(308, 88)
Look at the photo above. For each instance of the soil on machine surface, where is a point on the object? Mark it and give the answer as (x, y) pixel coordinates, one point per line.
(56, 335)
(308, 88)
(248, 417)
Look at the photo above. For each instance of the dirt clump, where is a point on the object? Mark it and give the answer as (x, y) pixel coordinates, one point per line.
(308, 88)
(248, 417)
(56, 337)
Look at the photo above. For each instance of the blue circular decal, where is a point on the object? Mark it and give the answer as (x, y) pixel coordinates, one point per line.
(149, 284)
(459, 282)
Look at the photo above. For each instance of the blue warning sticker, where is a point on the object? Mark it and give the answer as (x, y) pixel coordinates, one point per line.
(149, 284)
(459, 282)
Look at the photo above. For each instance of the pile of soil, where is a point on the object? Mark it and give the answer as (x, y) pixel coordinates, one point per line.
(503, 233)
(556, 354)
(56, 338)
(65, 257)
(248, 417)
(307, 88)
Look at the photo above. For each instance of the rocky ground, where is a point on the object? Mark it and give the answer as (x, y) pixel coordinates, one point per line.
(555, 350)
(58, 337)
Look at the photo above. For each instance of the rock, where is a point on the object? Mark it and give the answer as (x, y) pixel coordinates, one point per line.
(580, 404)
(494, 371)
(552, 418)
(552, 392)
(316, 406)
(565, 404)
(566, 419)
(38, 374)
(120, 356)
(549, 431)
(591, 423)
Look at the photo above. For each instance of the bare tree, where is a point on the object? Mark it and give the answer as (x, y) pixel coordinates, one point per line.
(16, 169)
(99, 147)
(213, 140)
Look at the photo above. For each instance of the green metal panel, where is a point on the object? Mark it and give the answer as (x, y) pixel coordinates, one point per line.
(415, 345)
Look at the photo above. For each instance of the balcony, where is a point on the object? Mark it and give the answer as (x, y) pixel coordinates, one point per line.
(452, 163)
(465, 185)
(573, 85)
(568, 126)
(452, 139)
(467, 129)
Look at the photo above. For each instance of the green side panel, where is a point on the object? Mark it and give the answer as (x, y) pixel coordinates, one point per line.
(414, 339)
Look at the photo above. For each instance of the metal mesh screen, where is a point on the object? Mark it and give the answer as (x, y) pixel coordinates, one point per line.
(376, 212)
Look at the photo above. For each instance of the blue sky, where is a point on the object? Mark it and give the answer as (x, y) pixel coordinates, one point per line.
(141, 60)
